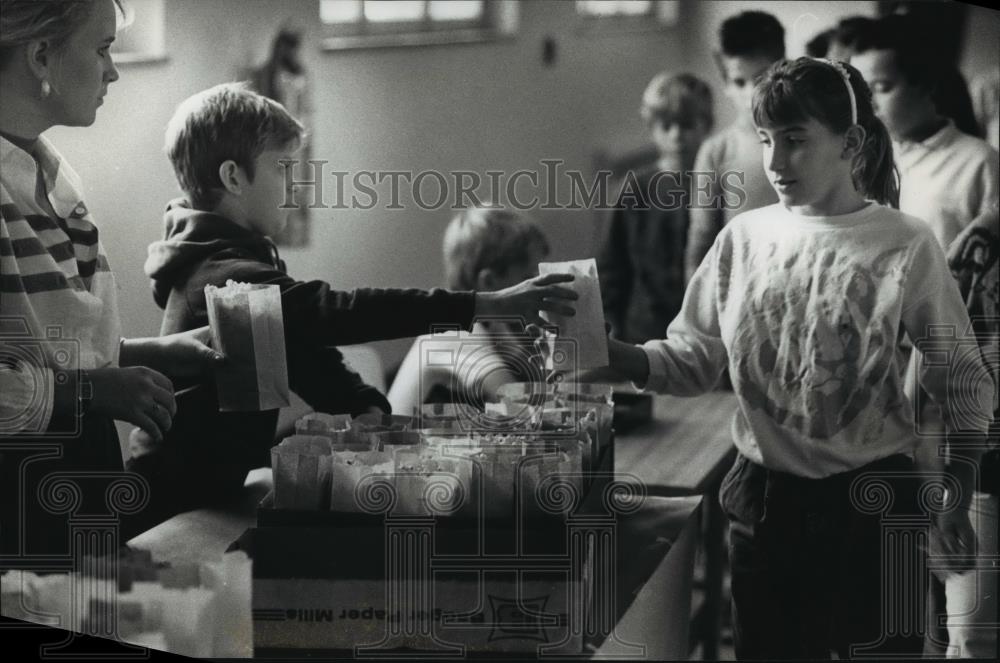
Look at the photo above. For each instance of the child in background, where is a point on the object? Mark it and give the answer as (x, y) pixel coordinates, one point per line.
(484, 249)
(641, 264)
(226, 144)
(750, 42)
(971, 597)
(803, 301)
(845, 36)
(947, 178)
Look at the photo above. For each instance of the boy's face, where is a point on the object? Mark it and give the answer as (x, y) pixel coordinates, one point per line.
(806, 165)
(678, 141)
(264, 196)
(741, 73)
(902, 106)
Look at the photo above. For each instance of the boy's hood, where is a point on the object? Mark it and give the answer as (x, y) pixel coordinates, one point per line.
(192, 236)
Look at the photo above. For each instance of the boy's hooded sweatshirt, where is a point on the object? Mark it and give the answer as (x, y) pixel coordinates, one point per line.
(202, 248)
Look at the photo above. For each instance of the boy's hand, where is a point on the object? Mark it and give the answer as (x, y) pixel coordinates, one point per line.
(184, 354)
(138, 395)
(527, 298)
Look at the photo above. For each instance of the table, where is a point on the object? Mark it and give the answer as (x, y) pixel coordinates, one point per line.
(686, 450)
(651, 589)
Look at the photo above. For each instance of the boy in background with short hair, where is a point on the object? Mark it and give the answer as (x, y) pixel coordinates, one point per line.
(749, 42)
(641, 263)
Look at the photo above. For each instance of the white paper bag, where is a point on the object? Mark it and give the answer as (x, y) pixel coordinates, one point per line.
(587, 326)
(301, 467)
(248, 328)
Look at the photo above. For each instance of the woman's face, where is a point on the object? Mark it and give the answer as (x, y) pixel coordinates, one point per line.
(82, 69)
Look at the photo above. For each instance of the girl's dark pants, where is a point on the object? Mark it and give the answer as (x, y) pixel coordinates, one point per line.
(810, 558)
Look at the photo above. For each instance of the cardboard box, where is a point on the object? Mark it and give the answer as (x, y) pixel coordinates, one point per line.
(418, 586)
(356, 584)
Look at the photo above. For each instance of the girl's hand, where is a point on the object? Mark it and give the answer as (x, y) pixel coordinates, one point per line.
(952, 536)
(527, 298)
(138, 395)
(180, 355)
(542, 349)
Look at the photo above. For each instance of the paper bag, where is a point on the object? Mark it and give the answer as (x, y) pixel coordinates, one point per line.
(247, 327)
(348, 470)
(301, 466)
(587, 326)
(551, 483)
(426, 486)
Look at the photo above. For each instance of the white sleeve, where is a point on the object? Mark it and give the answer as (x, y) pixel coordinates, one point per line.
(950, 365)
(692, 357)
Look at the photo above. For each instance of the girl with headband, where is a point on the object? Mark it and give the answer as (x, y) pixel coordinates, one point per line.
(804, 302)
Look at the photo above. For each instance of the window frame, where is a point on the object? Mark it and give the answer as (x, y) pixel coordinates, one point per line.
(493, 23)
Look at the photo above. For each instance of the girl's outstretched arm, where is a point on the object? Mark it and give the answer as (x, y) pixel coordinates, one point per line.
(692, 357)
(629, 360)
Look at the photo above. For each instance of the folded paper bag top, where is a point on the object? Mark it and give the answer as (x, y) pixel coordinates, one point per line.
(586, 328)
(248, 328)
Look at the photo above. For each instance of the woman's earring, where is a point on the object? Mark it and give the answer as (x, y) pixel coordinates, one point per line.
(46, 89)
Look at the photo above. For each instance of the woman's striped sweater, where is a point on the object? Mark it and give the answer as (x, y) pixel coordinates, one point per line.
(58, 297)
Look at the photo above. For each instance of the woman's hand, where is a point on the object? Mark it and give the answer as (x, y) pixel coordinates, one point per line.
(138, 395)
(180, 355)
(527, 298)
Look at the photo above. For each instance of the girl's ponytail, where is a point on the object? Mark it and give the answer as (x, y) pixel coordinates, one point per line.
(874, 172)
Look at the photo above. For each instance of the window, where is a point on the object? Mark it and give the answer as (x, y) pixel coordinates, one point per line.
(366, 23)
(662, 12)
(141, 37)
(598, 8)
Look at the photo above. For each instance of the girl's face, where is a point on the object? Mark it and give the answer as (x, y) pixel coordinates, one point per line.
(808, 167)
(82, 70)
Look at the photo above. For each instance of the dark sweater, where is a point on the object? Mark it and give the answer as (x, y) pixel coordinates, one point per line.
(202, 248)
(641, 262)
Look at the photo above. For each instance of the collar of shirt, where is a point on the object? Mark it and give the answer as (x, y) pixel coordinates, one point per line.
(941, 138)
(62, 184)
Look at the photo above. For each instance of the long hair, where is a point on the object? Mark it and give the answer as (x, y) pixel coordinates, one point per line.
(795, 90)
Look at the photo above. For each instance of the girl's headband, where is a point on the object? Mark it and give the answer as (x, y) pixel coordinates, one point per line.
(842, 70)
